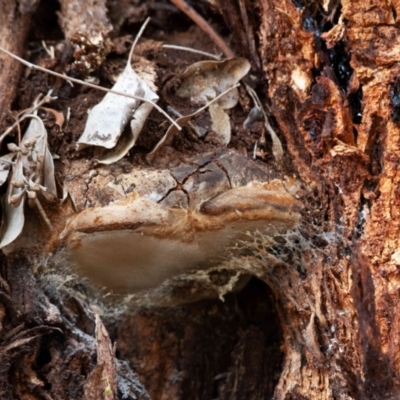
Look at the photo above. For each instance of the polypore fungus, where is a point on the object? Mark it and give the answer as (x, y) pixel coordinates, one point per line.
(136, 244)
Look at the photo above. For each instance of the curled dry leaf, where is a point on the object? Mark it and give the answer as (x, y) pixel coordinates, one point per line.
(58, 115)
(33, 171)
(205, 80)
(185, 120)
(256, 113)
(126, 142)
(39, 160)
(13, 216)
(220, 123)
(5, 166)
(108, 119)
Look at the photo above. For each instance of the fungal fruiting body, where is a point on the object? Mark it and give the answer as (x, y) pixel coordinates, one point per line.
(136, 244)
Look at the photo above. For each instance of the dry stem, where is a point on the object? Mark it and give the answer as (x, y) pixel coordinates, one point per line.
(189, 49)
(43, 214)
(30, 110)
(205, 26)
(91, 85)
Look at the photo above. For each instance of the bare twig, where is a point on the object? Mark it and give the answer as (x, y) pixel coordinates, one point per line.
(43, 214)
(19, 131)
(186, 118)
(277, 149)
(183, 48)
(30, 110)
(91, 85)
(140, 33)
(49, 50)
(205, 26)
(255, 150)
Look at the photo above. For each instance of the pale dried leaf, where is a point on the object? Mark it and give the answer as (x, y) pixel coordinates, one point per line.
(5, 166)
(67, 196)
(205, 80)
(127, 141)
(13, 217)
(255, 115)
(277, 148)
(36, 131)
(185, 120)
(49, 181)
(108, 119)
(220, 123)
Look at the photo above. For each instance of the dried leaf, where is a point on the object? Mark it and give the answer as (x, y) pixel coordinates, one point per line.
(37, 134)
(5, 166)
(126, 142)
(277, 149)
(67, 196)
(108, 119)
(172, 130)
(59, 116)
(185, 120)
(255, 115)
(13, 217)
(205, 80)
(220, 123)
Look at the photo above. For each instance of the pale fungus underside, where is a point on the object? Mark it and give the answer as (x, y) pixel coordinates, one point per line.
(144, 237)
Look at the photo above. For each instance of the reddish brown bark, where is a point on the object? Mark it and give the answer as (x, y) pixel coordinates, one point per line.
(15, 18)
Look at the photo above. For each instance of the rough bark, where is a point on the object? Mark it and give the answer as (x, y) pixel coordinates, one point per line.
(348, 154)
(15, 19)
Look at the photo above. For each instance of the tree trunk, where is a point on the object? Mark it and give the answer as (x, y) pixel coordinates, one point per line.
(308, 310)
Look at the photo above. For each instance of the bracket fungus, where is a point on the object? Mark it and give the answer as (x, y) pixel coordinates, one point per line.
(136, 243)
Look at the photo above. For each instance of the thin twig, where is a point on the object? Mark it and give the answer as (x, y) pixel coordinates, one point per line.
(203, 53)
(19, 131)
(190, 124)
(205, 26)
(27, 111)
(91, 85)
(277, 149)
(140, 33)
(43, 213)
(188, 117)
(13, 174)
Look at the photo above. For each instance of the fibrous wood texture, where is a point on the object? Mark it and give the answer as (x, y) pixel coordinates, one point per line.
(15, 20)
(334, 97)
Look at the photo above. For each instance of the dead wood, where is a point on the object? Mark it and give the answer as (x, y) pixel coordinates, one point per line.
(15, 20)
(88, 18)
